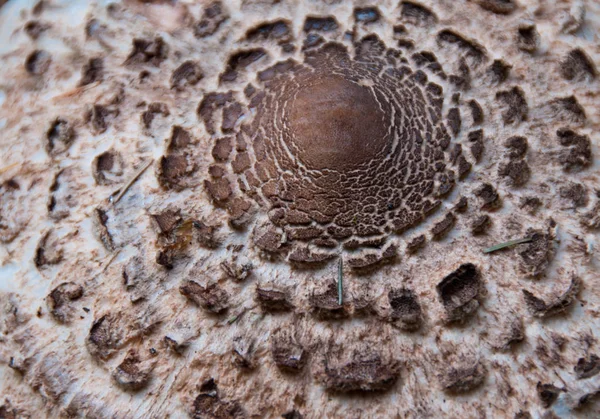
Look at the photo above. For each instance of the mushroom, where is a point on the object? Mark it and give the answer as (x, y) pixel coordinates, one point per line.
(260, 208)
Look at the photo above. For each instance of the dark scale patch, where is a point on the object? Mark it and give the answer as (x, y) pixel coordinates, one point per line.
(179, 140)
(48, 251)
(454, 121)
(213, 17)
(463, 167)
(443, 227)
(577, 66)
(462, 205)
(536, 255)
(173, 169)
(528, 38)
(187, 74)
(417, 14)
(205, 234)
(469, 48)
(567, 110)
(222, 148)
(105, 337)
(587, 367)
(325, 304)
(240, 212)
(515, 105)
(292, 414)
(174, 234)
(38, 62)
(209, 404)
(154, 109)
(591, 219)
(476, 144)
(480, 224)
(368, 260)
(577, 154)
(312, 40)
(236, 270)
(239, 61)
(477, 148)
(499, 71)
(272, 299)
(510, 333)
(476, 112)
(461, 80)
(61, 199)
(547, 394)
(559, 304)
(367, 14)
(304, 255)
(278, 30)
(428, 60)
(59, 136)
(360, 371)
(99, 117)
(100, 228)
(35, 28)
(488, 196)
(459, 292)
(211, 298)
(575, 193)
(416, 244)
(132, 374)
(148, 51)
(463, 378)
(517, 147)
(243, 353)
(59, 300)
(287, 353)
(167, 221)
(517, 172)
(92, 71)
(501, 7)
(530, 204)
(7, 411)
(406, 44)
(320, 24)
(405, 309)
(268, 238)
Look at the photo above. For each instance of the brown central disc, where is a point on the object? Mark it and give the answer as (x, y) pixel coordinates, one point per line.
(337, 124)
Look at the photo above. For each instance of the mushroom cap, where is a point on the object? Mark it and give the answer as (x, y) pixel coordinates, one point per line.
(259, 208)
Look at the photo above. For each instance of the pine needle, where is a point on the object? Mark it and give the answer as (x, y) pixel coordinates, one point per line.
(236, 317)
(507, 244)
(341, 282)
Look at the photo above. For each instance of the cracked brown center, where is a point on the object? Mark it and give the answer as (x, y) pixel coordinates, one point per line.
(337, 124)
(342, 149)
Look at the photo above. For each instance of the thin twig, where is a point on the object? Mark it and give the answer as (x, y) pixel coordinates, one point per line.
(75, 91)
(104, 266)
(131, 182)
(507, 244)
(109, 262)
(341, 282)
(7, 168)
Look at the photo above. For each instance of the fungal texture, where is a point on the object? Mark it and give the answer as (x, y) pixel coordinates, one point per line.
(303, 208)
